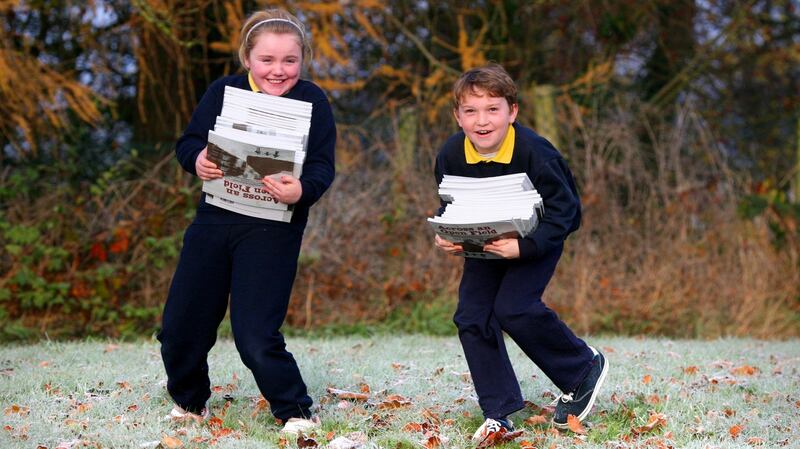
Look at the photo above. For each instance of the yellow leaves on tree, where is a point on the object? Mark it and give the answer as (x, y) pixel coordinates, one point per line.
(37, 99)
(471, 53)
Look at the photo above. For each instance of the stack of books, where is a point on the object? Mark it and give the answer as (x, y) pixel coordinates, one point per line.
(481, 210)
(256, 135)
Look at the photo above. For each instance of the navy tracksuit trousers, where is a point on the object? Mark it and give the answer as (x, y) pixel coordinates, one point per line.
(506, 295)
(256, 265)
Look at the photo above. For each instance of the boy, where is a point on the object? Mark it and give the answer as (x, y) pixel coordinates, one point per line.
(505, 294)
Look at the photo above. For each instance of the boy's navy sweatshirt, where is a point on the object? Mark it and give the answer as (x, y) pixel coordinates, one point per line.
(545, 167)
(318, 168)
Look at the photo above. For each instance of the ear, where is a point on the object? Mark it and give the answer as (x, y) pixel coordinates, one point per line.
(455, 114)
(513, 113)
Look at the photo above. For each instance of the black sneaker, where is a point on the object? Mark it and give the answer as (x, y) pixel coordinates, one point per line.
(579, 403)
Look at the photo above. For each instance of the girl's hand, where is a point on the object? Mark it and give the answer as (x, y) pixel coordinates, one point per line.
(446, 246)
(505, 248)
(206, 170)
(287, 190)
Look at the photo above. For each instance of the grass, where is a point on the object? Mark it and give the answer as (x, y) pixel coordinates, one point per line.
(731, 393)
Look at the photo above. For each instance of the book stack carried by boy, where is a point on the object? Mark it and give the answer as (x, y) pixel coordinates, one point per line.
(480, 210)
(254, 136)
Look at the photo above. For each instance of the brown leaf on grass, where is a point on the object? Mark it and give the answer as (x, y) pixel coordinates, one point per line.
(344, 394)
(171, 442)
(431, 416)
(525, 444)
(394, 401)
(744, 370)
(735, 430)
(132, 407)
(110, 348)
(259, 405)
(691, 370)
(16, 410)
(364, 388)
(574, 424)
(283, 442)
(535, 420)
(304, 441)
(755, 441)
(432, 442)
(499, 437)
(654, 399)
(729, 412)
(413, 427)
(647, 379)
(656, 421)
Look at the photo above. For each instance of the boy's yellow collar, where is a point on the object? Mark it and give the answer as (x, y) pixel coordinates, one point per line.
(503, 155)
(253, 86)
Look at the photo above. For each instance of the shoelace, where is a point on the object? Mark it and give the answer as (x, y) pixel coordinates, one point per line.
(568, 397)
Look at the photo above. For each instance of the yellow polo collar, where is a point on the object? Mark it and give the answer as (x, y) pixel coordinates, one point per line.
(252, 83)
(503, 155)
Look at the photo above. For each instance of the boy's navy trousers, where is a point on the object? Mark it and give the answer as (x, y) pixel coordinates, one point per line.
(506, 295)
(256, 265)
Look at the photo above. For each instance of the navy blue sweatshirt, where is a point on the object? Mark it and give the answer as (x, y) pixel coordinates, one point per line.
(545, 167)
(318, 168)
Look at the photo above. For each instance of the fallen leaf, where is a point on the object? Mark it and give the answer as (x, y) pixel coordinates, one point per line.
(364, 388)
(499, 437)
(133, 407)
(744, 370)
(735, 430)
(432, 442)
(413, 427)
(536, 419)
(394, 401)
(656, 421)
(16, 410)
(344, 394)
(691, 370)
(110, 348)
(755, 441)
(575, 425)
(647, 379)
(171, 442)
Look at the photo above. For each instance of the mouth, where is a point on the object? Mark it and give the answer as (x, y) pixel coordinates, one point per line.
(483, 132)
(274, 81)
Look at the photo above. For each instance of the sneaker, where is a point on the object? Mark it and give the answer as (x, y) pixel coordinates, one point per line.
(492, 427)
(579, 403)
(179, 414)
(295, 426)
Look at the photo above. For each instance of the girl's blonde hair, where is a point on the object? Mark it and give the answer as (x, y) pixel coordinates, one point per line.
(276, 21)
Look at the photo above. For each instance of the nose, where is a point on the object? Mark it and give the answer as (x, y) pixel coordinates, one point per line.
(483, 118)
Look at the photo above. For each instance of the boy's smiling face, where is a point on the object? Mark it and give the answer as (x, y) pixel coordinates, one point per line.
(485, 119)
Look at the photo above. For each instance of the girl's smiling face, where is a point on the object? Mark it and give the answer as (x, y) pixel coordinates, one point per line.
(485, 119)
(275, 62)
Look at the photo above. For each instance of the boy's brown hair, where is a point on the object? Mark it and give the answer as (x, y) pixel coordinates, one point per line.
(491, 78)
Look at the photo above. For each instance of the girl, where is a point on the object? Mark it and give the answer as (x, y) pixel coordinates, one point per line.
(253, 260)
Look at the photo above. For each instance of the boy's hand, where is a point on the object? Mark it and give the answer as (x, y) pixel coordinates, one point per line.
(505, 248)
(205, 169)
(448, 247)
(287, 190)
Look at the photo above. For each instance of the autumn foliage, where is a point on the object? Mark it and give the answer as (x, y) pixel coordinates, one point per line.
(688, 229)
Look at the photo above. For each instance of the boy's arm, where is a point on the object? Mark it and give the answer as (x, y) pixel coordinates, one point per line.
(562, 211)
